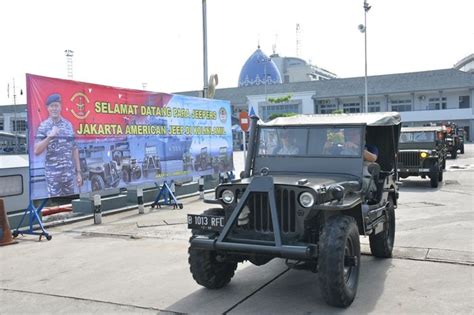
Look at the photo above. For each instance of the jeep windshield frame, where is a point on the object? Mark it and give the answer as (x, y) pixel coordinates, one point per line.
(316, 149)
(428, 138)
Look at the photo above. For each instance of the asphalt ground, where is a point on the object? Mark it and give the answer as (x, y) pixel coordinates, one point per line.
(134, 263)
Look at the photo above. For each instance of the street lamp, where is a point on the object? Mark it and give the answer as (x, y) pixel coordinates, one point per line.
(204, 48)
(69, 54)
(363, 29)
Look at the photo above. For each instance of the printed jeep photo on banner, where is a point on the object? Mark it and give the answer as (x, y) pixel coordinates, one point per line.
(86, 137)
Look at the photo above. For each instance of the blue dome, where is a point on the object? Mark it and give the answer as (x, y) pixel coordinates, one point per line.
(256, 68)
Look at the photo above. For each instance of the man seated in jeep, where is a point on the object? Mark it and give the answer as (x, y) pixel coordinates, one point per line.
(352, 145)
(287, 144)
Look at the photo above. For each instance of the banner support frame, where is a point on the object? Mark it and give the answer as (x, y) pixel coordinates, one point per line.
(169, 198)
(33, 214)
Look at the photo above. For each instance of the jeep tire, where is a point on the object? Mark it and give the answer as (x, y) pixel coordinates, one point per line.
(434, 174)
(126, 175)
(454, 154)
(381, 244)
(339, 260)
(205, 267)
(97, 183)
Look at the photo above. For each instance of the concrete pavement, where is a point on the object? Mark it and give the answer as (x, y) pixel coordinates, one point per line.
(138, 264)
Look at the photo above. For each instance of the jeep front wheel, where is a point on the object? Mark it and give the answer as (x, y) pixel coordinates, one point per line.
(206, 267)
(381, 244)
(97, 182)
(339, 260)
(208, 271)
(434, 174)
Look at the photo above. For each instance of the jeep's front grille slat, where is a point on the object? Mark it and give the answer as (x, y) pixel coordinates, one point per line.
(409, 159)
(292, 211)
(260, 212)
(284, 210)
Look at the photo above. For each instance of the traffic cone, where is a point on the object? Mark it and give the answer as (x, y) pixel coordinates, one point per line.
(5, 233)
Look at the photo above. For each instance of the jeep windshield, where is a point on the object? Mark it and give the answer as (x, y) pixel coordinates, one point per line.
(421, 136)
(314, 141)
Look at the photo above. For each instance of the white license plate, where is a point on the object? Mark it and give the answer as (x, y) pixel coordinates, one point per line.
(205, 222)
(423, 170)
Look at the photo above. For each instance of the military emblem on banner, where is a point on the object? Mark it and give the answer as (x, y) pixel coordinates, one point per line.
(78, 99)
(223, 114)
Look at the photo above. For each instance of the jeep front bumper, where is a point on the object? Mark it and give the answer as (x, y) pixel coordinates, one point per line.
(284, 251)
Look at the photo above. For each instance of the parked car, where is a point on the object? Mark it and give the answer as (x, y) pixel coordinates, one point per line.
(462, 137)
(203, 160)
(102, 174)
(222, 162)
(152, 161)
(423, 152)
(129, 167)
(453, 142)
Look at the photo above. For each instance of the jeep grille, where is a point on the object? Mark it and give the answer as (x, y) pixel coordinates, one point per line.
(260, 214)
(409, 158)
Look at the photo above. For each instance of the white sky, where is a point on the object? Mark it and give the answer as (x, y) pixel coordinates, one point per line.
(125, 43)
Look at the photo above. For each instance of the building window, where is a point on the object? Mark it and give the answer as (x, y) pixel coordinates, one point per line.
(325, 107)
(374, 106)
(437, 103)
(18, 125)
(1, 124)
(400, 105)
(351, 107)
(464, 101)
(268, 110)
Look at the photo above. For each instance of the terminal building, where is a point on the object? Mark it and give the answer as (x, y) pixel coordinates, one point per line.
(269, 85)
(433, 96)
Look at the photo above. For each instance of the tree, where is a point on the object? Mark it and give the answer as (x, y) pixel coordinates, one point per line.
(276, 115)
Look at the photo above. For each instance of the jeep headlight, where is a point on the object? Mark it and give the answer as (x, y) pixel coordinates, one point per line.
(227, 196)
(423, 155)
(306, 200)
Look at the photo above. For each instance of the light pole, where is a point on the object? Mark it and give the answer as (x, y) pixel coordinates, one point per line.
(204, 48)
(363, 29)
(69, 54)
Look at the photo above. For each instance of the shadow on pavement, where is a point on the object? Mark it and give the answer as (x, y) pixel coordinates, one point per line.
(416, 185)
(284, 292)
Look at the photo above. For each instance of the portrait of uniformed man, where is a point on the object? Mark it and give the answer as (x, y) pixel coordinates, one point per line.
(55, 135)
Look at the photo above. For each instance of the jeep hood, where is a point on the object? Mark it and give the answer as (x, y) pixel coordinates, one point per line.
(313, 180)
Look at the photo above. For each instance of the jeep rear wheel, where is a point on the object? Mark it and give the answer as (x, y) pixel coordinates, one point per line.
(381, 245)
(205, 266)
(339, 260)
